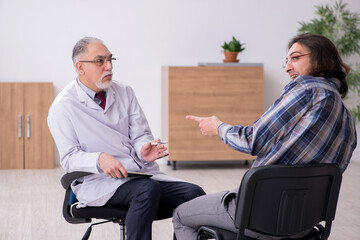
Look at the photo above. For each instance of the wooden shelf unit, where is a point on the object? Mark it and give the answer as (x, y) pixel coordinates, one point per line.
(233, 93)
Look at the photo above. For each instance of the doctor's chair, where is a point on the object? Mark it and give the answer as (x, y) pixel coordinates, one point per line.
(283, 201)
(75, 215)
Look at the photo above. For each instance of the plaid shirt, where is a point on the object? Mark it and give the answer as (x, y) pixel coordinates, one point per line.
(309, 123)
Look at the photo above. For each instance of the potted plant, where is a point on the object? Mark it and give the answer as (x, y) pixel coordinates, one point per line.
(231, 50)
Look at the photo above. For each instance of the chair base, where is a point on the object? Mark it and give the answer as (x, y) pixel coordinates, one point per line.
(120, 222)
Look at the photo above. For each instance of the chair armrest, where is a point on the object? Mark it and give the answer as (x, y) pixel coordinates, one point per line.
(206, 232)
(68, 178)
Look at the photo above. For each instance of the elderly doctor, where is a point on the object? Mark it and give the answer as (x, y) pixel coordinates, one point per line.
(99, 127)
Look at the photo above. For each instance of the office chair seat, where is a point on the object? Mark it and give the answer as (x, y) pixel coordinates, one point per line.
(284, 201)
(207, 232)
(98, 212)
(75, 215)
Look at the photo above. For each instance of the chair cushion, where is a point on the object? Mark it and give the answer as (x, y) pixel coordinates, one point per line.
(104, 212)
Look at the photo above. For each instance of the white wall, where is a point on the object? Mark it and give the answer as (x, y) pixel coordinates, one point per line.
(37, 37)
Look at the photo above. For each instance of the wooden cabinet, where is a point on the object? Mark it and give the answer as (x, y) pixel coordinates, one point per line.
(25, 141)
(234, 94)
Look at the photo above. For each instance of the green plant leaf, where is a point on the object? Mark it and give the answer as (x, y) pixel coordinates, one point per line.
(342, 27)
(233, 46)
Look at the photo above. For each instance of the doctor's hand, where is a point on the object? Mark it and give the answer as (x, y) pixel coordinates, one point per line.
(208, 125)
(151, 152)
(111, 166)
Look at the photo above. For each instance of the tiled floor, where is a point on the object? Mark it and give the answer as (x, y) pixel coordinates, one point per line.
(31, 202)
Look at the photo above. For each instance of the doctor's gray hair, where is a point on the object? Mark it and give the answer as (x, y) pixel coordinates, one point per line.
(81, 47)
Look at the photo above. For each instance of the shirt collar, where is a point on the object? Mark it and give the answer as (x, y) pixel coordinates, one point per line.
(87, 90)
(336, 82)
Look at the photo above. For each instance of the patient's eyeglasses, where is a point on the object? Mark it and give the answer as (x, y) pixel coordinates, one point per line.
(100, 61)
(293, 58)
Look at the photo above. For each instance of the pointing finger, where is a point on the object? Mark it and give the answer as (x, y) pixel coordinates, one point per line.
(194, 118)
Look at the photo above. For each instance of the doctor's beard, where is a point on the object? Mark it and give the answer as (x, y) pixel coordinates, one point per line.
(104, 84)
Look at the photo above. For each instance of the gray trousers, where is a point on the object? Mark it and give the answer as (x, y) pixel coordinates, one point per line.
(217, 209)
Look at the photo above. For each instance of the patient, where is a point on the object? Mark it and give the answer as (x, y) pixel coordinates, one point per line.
(308, 123)
(99, 127)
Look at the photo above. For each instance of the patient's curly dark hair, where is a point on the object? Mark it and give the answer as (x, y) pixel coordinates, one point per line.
(325, 59)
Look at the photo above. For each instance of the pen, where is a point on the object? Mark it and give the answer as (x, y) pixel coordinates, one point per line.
(156, 143)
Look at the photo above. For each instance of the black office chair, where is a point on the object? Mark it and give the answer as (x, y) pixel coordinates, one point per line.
(284, 200)
(84, 215)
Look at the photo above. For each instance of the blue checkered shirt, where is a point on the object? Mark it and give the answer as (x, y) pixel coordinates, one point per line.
(309, 123)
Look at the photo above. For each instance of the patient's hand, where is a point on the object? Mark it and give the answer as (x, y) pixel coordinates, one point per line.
(208, 125)
(111, 166)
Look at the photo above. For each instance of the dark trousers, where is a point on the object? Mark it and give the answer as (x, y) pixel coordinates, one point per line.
(149, 200)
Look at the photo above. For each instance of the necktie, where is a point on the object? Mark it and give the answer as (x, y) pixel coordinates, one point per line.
(102, 97)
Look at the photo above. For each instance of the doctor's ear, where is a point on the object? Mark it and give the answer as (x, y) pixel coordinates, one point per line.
(79, 68)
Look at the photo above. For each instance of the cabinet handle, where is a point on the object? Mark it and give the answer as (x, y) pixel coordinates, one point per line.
(28, 126)
(19, 125)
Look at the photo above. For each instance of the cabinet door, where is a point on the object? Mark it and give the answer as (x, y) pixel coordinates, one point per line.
(39, 145)
(11, 127)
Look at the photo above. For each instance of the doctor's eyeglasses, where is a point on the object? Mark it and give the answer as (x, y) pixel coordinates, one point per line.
(100, 61)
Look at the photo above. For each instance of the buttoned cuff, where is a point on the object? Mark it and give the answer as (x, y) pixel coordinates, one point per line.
(97, 163)
(222, 130)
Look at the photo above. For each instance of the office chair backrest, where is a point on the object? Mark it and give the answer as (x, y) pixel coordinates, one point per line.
(284, 200)
(66, 181)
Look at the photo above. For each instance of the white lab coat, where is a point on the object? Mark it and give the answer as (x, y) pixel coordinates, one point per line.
(82, 130)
